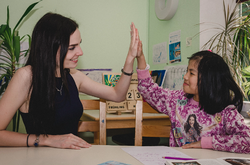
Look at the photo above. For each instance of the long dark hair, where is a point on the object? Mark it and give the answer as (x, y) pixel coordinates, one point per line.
(51, 33)
(197, 127)
(216, 86)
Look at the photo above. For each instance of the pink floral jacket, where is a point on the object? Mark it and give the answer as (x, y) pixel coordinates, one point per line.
(224, 131)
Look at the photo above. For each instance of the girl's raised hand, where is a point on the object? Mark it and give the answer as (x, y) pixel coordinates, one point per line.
(134, 41)
(139, 50)
(67, 141)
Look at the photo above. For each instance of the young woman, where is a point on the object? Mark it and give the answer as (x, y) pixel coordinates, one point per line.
(210, 93)
(46, 90)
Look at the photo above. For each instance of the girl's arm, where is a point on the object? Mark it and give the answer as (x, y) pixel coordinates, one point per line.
(156, 96)
(237, 134)
(16, 97)
(117, 93)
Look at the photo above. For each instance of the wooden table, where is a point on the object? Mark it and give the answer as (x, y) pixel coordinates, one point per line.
(94, 155)
(125, 120)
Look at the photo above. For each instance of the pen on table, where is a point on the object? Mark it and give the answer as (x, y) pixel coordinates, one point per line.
(177, 158)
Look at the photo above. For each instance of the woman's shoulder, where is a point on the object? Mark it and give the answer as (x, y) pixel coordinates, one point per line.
(24, 72)
(75, 73)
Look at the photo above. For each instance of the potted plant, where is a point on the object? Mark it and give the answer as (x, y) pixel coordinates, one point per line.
(246, 104)
(232, 42)
(10, 54)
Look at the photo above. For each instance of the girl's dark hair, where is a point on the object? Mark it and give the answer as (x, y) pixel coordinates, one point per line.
(51, 33)
(197, 127)
(216, 86)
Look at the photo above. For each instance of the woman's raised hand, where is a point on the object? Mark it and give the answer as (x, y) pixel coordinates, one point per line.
(134, 41)
(67, 141)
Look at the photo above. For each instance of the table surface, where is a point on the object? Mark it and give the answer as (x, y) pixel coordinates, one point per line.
(89, 156)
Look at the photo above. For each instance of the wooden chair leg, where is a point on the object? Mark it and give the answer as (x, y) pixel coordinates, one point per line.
(103, 124)
(138, 124)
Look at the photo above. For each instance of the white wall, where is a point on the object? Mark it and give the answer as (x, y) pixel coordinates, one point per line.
(212, 17)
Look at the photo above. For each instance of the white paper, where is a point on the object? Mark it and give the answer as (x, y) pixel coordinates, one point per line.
(160, 53)
(153, 155)
(174, 77)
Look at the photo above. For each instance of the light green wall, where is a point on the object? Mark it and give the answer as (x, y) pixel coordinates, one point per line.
(185, 19)
(104, 25)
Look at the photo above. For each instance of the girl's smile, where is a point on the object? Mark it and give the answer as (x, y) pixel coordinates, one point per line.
(185, 84)
(191, 79)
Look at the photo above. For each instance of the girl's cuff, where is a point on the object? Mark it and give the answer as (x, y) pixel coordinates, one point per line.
(206, 142)
(143, 74)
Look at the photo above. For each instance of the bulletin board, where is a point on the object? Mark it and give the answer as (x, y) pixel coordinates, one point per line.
(128, 105)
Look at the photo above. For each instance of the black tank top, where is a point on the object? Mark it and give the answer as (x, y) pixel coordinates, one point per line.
(68, 110)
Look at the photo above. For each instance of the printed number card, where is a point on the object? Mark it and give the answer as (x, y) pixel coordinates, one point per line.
(129, 105)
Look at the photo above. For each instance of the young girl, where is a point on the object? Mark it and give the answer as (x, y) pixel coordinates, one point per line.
(210, 93)
(46, 90)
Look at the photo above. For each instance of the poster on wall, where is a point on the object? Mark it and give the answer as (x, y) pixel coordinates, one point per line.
(95, 74)
(160, 53)
(175, 47)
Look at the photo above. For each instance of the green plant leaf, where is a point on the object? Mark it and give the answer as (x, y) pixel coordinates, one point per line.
(8, 16)
(2, 29)
(16, 45)
(232, 42)
(25, 13)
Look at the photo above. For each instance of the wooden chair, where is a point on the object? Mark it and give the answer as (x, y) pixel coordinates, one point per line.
(149, 129)
(98, 128)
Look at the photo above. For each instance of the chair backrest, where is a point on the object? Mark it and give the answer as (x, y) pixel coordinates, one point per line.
(89, 126)
(148, 130)
(90, 104)
(98, 127)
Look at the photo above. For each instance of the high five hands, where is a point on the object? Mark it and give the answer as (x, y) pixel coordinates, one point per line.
(135, 43)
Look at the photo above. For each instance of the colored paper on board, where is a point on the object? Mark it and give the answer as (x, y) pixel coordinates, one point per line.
(110, 79)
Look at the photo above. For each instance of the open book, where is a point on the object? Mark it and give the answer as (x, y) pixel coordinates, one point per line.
(218, 161)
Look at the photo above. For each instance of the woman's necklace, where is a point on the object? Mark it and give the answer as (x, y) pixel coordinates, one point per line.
(60, 89)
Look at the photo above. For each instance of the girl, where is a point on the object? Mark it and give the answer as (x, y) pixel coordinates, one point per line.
(46, 90)
(210, 93)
